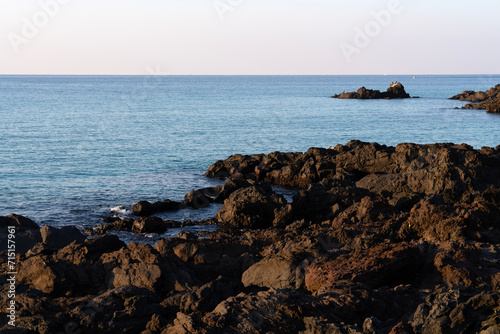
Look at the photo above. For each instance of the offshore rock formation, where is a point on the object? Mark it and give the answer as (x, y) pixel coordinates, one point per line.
(395, 91)
(377, 239)
(489, 100)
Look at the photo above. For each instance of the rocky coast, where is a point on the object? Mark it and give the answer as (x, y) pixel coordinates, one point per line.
(489, 100)
(377, 239)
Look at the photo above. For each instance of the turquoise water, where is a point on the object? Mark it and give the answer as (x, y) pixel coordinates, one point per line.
(73, 147)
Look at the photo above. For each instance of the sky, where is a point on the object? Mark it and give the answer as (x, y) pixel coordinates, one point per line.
(249, 37)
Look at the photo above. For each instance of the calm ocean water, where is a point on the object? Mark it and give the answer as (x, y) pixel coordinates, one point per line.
(73, 147)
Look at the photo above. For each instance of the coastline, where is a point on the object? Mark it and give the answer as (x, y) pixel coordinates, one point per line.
(84, 166)
(377, 239)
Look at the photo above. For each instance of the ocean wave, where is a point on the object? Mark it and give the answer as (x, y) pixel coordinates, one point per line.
(120, 211)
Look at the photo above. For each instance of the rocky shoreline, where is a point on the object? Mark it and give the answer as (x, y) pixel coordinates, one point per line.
(378, 239)
(489, 100)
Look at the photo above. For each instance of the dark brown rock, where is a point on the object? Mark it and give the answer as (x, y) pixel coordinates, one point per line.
(58, 238)
(377, 239)
(381, 265)
(395, 91)
(145, 208)
(208, 296)
(489, 100)
(116, 225)
(201, 198)
(19, 222)
(456, 311)
(73, 269)
(149, 224)
(405, 170)
(252, 207)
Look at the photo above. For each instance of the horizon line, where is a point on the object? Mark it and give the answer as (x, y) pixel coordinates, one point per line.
(165, 75)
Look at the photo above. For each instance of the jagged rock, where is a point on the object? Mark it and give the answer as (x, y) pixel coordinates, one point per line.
(489, 100)
(252, 207)
(150, 224)
(26, 233)
(201, 198)
(73, 269)
(247, 313)
(126, 309)
(145, 208)
(388, 265)
(457, 311)
(231, 186)
(275, 272)
(19, 222)
(377, 239)
(58, 238)
(186, 251)
(186, 235)
(208, 296)
(395, 91)
(317, 326)
(406, 170)
(116, 225)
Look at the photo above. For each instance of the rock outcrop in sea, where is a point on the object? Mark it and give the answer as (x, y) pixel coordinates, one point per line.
(489, 100)
(395, 91)
(377, 239)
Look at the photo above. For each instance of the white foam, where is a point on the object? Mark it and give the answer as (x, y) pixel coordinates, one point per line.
(120, 210)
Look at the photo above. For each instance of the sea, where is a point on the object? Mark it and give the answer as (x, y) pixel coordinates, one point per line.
(76, 149)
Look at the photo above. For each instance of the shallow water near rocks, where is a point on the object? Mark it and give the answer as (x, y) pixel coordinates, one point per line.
(74, 147)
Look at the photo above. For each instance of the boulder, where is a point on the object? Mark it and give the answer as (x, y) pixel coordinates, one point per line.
(142, 208)
(316, 325)
(201, 198)
(25, 239)
(38, 274)
(145, 208)
(260, 312)
(150, 224)
(396, 91)
(19, 222)
(74, 269)
(186, 251)
(186, 235)
(275, 272)
(384, 265)
(446, 311)
(136, 265)
(55, 239)
(208, 296)
(231, 186)
(116, 225)
(126, 309)
(252, 207)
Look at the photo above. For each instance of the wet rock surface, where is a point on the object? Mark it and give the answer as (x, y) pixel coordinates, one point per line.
(395, 91)
(489, 100)
(377, 239)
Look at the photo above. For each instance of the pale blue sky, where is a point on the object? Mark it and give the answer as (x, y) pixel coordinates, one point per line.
(248, 37)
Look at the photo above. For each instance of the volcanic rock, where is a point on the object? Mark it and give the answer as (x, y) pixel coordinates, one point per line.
(395, 91)
(58, 238)
(489, 100)
(201, 198)
(377, 239)
(252, 207)
(149, 224)
(145, 208)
